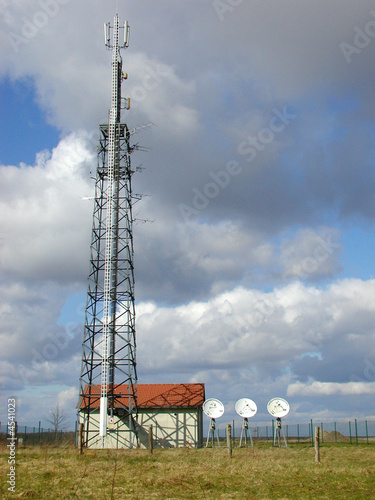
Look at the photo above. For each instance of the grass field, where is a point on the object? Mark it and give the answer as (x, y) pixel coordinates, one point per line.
(263, 472)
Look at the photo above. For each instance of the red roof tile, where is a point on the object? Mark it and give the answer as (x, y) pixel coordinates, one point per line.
(152, 396)
(166, 395)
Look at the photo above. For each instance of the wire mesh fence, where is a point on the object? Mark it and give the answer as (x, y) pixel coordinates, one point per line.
(350, 432)
(38, 435)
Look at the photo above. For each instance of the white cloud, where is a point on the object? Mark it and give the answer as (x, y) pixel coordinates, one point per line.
(160, 96)
(311, 254)
(68, 397)
(242, 327)
(315, 389)
(45, 220)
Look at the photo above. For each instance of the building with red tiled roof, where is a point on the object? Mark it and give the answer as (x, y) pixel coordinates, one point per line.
(174, 411)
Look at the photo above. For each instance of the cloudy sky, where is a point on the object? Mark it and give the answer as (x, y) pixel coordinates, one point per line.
(254, 268)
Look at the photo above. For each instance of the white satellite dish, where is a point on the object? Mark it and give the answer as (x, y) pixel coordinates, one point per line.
(213, 408)
(246, 407)
(278, 407)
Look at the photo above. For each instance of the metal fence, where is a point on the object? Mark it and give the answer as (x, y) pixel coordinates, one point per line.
(351, 432)
(34, 436)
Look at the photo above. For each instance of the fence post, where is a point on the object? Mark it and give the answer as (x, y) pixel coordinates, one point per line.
(80, 438)
(150, 440)
(356, 431)
(33, 435)
(229, 440)
(335, 433)
(322, 432)
(350, 432)
(297, 433)
(317, 453)
(312, 433)
(39, 432)
(234, 437)
(366, 432)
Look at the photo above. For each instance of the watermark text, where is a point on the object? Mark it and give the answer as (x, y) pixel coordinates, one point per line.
(11, 444)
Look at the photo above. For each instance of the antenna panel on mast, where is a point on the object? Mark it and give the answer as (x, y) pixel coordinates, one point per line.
(126, 34)
(107, 35)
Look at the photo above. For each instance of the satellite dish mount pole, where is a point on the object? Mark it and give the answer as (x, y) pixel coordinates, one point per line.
(211, 434)
(279, 430)
(245, 433)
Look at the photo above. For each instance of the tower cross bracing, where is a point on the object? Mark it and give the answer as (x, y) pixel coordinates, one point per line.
(109, 341)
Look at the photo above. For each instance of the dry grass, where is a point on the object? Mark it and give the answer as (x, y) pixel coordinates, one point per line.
(263, 472)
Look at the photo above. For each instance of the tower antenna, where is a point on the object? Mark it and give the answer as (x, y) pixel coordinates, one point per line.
(108, 382)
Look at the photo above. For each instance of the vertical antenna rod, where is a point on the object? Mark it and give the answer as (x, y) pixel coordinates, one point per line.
(110, 268)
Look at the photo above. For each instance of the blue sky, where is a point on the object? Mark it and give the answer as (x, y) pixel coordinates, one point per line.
(279, 254)
(24, 131)
(358, 252)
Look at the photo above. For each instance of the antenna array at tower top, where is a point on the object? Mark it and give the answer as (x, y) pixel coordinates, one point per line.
(107, 34)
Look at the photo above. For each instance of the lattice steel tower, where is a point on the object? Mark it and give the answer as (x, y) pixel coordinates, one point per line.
(108, 382)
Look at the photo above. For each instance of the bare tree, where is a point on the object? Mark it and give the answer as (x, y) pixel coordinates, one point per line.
(57, 417)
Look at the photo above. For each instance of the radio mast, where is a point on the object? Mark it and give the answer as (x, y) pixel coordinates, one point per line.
(108, 382)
